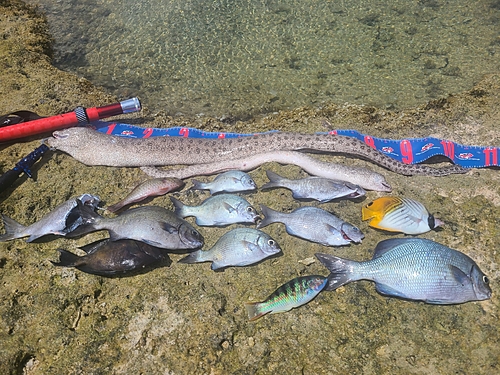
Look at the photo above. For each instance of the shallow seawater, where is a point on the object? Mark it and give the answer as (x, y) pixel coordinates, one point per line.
(239, 58)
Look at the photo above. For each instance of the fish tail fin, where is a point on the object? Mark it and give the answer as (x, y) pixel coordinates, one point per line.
(197, 185)
(13, 229)
(269, 215)
(115, 207)
(274, 180)
(367, 213)
(66, 259)
(194, 257)
(179, 207)
(255, 311)
(341, 270)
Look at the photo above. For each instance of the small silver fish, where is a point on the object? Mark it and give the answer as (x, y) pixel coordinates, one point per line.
(313, 224)
(295, 293)
(413, 269)
(153, 225)
(107, 258)
(227, 182)
(218, 210)
(238, 247)
(318, 188)
(149, 188)
(60, 221)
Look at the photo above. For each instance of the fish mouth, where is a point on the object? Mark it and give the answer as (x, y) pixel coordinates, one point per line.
(60, 134)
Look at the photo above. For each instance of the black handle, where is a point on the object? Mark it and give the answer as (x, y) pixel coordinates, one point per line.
(8, 178)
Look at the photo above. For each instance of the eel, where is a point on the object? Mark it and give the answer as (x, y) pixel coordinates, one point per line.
(94, 148)
(363, 177)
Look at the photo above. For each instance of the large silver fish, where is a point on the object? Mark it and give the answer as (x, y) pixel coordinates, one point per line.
(414, 269)
(238, 247)
(227, 182)
(153, 225)
(60, 221)
(318, 188)
(107, 258)
(218, 210)
(149, 188)
(313, 224)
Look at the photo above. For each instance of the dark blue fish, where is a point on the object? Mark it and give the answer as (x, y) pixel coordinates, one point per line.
(414, 269)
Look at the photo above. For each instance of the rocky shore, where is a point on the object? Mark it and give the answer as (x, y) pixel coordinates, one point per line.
(187, 319)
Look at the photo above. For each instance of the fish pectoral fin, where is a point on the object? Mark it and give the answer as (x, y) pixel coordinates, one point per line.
(460, 276)
(250, 246)
(228, 207)
(332, 229)
(169, 228)
(388, 291)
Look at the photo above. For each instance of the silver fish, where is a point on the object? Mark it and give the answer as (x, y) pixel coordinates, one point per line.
(149, 188)
(318, 188)
(218, 210)
(153, 225)
(313, 224)
(238, 247)
(295, 293)
(60, 221)
(227, 182)
(414, 269)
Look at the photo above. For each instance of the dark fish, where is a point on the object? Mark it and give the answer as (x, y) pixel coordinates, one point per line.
(61, 220)
(153, 225)
(295, 293)
(149, 188)
(318, 188)
(109, 258)
(414, 269)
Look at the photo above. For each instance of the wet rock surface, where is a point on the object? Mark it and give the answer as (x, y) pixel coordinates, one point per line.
(181, 318)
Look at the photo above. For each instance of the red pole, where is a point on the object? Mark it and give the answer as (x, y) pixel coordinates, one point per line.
(79, 116)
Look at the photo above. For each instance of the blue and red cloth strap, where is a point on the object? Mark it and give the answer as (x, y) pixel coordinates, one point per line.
(408, 151)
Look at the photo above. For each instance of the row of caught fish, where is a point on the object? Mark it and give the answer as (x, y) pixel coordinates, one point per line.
(309, 223)
(317, 188)
(387, 213)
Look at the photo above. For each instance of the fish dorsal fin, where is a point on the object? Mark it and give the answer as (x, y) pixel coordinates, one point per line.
(460, 276)
(387, 245)
(94, 246)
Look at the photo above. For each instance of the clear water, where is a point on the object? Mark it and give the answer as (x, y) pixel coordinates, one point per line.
(239, 58)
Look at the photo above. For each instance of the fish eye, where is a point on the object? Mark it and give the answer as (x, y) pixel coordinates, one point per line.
(485, 279)
(271, 242)
(369, 204)
(250, 209)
